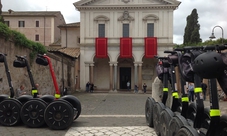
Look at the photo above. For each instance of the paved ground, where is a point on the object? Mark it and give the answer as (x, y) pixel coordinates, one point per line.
(112, 114)
(109, 114)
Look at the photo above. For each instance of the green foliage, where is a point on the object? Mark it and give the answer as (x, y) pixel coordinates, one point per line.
(5, 31)
(191, 34)
(20, 40)
(205, 43)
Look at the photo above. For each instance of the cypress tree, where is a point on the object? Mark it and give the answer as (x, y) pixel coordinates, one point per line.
(191, 32)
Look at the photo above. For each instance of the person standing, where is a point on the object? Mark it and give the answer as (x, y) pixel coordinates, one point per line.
(128, 85)
(91, 87)
(204, 88)
(144, 88)
(88, 86)
(136, 89)
(191, 92)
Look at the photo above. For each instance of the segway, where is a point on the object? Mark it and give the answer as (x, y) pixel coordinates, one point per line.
(211, 65)
(9, 106)
(179, 120)
(161, 113)
(60, 113)
(167, 114)
(32, 111)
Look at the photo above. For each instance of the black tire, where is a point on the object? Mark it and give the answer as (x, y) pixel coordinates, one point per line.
(191, 113)
(187, 131)
(75, 103)
(158, 107)
(176, 123)
(24, 98)
(59, 115)
(10, 112)
(3, 97)
(165, 118)
(149, 111)
(222, 129)
(206, 118)
(48, 98)
(32, 113)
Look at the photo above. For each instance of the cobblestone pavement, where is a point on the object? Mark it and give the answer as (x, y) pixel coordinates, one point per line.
(106, 114)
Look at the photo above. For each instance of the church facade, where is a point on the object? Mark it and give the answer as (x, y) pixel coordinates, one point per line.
(119, 40)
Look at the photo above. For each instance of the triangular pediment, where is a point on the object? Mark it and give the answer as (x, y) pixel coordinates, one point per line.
(125, 3)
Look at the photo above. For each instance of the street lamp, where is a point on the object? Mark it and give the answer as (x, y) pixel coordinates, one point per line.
(212, 34)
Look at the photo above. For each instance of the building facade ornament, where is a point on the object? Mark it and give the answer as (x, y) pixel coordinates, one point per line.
(125, 1)
(125, 17)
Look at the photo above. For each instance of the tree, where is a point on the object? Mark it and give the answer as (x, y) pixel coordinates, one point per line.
(191, 32)
(0, 7)
(1, 17)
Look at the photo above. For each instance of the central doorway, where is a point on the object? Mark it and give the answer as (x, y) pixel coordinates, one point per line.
(125, 76)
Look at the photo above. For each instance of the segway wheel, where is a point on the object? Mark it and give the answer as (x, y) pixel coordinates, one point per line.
(48, 98)
(59, 115)
(206, 119)
(191, 114)
(187, 131)
(3, 97)
(24, 98)
(149, 111)
(176, 123)
(10, 112)
(165, 117)
(158, 107)
(32, 113)
(75, 103)
(222, 129)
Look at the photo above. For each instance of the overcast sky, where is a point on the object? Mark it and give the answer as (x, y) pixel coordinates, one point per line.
(211, 13)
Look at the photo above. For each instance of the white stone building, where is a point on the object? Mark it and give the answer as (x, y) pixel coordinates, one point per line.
(119, 39)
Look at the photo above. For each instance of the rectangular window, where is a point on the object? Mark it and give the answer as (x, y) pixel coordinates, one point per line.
(150, 30)
(101, 30)
(37, 23)
(21, 24)
(36, 37)
(78, 39)
(125, 30)
(7, 23)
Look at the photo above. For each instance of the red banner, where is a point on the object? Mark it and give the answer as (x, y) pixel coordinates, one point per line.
(126, 47)
(150, 47)
(101, 48)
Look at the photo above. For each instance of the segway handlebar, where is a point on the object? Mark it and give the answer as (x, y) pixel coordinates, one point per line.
(215, 47)
(172, 52)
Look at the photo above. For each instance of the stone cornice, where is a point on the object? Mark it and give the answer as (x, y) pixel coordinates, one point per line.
(126, 7)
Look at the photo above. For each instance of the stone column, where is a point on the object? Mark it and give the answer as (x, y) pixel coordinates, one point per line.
(111, 77)
(87, 74)
(115, 77)
(135, 75)
(140, 77)
(92, 73)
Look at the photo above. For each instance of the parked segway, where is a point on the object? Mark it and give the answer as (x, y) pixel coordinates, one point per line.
(180, 118)
(149, 111)
(60, 113)
(167, 114)
(32, 112)
(9, 106)
(212, 65)
(164, 75)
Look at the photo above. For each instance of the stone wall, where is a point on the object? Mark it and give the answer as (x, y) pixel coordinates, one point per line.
(41, 74)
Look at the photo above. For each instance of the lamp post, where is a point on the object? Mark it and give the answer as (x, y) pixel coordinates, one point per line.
(212, 34)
